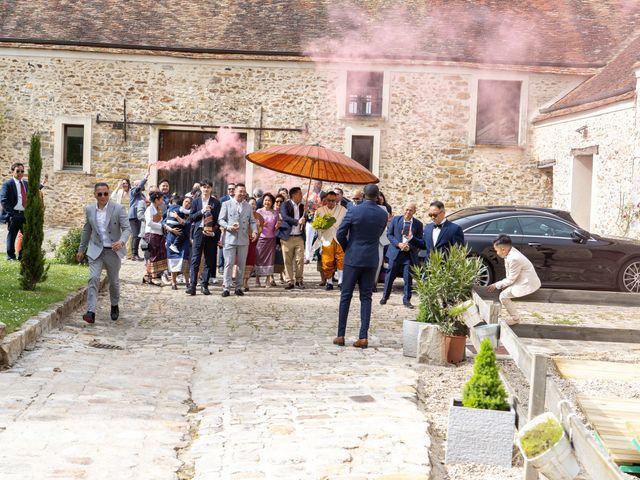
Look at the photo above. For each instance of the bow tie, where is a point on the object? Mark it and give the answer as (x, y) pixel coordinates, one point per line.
(436, 225)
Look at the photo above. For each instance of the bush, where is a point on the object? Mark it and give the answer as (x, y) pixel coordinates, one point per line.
(541, 438)
(442, 283)
(485, 389)
(68, 247)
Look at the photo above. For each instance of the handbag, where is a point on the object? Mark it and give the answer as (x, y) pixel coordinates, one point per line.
(144, 246)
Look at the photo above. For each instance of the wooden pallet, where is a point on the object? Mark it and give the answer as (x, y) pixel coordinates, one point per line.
(615, 420)
(597, 370)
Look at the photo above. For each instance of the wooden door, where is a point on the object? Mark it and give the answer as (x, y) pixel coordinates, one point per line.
(177, 143)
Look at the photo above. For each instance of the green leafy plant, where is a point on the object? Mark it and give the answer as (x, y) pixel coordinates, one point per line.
(33, 269)
(323, 222)
(442, 285)
(485, 389)
(541, 438)
(68, 247)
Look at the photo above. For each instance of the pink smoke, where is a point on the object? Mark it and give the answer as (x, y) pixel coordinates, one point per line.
(226, 143)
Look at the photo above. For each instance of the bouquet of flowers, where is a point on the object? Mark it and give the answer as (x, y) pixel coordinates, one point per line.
(323, 222)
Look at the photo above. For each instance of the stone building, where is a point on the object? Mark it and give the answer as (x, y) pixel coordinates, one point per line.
(590, 139)
(437, 98)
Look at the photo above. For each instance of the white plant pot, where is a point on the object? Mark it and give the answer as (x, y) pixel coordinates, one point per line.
(491, 331)
(475, 435)
(557, 463)
(410, 333)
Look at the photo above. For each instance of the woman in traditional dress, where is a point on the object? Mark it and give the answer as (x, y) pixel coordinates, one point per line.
(178, 261)
(121, 195)
(278, 262)
(157, 262)
(266, 247)
(251, 254)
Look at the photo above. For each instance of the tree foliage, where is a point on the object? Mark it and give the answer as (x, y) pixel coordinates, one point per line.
(443, 283)
(485, 389)
(32, 267)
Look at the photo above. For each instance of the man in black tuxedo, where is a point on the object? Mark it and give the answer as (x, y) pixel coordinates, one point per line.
(441, 234)
(205, 237)
(13, 198)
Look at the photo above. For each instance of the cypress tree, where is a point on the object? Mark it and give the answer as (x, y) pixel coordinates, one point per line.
(32, 267)
(485, 389)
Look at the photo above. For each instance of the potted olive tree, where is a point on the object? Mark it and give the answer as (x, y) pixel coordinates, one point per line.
(444, 287)
(482, 424)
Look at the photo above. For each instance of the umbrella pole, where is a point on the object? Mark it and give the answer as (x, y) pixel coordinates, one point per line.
(306, 203)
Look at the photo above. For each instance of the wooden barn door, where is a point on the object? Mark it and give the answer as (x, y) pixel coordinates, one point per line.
(177, 143)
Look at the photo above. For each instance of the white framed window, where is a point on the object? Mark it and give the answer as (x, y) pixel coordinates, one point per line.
(363, 94)
(499, 111)
(72, 144)
(363, 145)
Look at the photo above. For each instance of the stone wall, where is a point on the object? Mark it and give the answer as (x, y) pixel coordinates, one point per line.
(616, 180)
(424, 141)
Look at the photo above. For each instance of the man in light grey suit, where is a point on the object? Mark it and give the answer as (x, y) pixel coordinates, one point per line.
(239, 224)
(105, 233)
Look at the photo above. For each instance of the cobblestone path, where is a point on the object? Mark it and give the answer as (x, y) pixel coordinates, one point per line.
(213, 388)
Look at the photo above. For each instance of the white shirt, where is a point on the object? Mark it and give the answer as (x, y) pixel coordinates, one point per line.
(205, 204)
(151, 226)
(18, 206)
(436, 233)
(101, 222)
(296, 230)
(404, 220)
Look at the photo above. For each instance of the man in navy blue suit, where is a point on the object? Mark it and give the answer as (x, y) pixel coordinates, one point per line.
(402, 256)
(440, 234)
(13, 199)
(358, 235)
(204, 239)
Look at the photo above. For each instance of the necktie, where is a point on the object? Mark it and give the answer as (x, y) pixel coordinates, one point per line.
(406, 228)
(437, 225)
(23, 191)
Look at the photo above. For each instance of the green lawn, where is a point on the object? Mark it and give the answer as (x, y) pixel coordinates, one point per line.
(17, 305)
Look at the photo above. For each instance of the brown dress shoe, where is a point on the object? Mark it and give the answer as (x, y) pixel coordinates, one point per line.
(361, 343)
(339, 341)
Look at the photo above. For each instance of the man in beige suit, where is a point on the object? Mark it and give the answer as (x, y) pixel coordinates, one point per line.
(521, 279)
(105, 233)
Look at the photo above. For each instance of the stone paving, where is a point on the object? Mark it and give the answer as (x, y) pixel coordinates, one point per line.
(213, 388)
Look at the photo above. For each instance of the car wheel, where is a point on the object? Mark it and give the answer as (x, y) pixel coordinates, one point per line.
(485, 274)
(629, 276)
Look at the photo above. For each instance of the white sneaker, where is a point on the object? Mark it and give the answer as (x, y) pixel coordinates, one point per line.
(174, 249)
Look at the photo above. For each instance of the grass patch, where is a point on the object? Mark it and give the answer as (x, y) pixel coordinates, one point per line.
(17, 306)
(541, 438)
(564, 321)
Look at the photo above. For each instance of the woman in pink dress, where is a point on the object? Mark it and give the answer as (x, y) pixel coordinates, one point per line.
(251, 254)
(266, 248)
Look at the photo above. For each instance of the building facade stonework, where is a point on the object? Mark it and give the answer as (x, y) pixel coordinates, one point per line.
(425, 136)
(605, 140)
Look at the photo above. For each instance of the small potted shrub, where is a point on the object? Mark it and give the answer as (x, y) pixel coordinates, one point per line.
(482, 425)
(444, 286)
(544, 445)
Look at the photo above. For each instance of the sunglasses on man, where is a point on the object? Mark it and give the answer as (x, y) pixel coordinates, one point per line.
(102, 194)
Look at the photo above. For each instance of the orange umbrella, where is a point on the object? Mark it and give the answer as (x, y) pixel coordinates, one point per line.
(313, 162)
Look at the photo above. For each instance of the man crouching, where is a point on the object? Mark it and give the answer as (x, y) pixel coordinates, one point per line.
(521, 279)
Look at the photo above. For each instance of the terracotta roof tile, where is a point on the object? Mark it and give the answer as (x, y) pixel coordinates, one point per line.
(615, 82)
(526, 32)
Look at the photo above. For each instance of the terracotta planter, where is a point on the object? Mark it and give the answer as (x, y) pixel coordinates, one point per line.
(454, 348)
